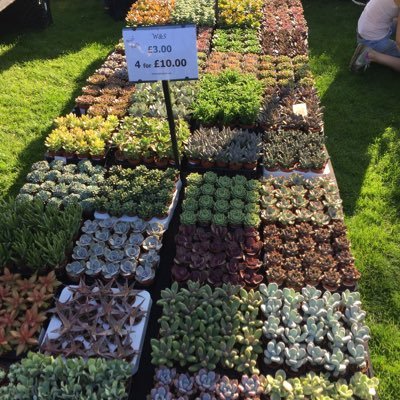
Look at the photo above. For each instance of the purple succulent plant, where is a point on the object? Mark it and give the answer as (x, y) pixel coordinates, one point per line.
(206, 380)
(165, 375)
(184, 384)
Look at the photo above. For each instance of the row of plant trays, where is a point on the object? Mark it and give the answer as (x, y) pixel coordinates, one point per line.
(216, 255)
(326, 171)
(205, 385)
(273, 329)
(253, 170)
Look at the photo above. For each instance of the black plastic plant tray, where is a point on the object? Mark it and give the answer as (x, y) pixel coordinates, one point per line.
(248, 173)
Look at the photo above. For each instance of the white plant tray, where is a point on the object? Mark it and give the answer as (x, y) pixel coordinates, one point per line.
(164, 222)
(137, 332)
(326, 172)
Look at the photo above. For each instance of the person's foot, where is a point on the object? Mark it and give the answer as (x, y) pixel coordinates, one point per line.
(360, 60)
(361, 3)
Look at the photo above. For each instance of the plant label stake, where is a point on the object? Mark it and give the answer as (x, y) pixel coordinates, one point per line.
(166, 53)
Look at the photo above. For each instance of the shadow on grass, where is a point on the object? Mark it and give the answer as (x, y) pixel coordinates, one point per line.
(76, 24)
(35, 150)
(358, 107)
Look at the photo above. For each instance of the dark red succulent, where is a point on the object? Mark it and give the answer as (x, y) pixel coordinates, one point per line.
(295, 279)
(331, 280)
(232, 279)
(217, 245)
(341, 243)
(324, 248)
(233, 250)
(219, 231)
(305, 229)
(251, 278)
(309, 259)
(237, 235)
(344, 258)
(289, 233)
(313, 276)
(203, 234)
(187, 230)
(273, 243)
(183, 257)
(273, 258)
(350, 275)
(290, 249)
(277, 275)
(306, 243)
(180, 273)
(251, 232)
(198, 261)
(270, 231)
(326, 262)
(252, 262)
(201, 247)
(252, 245)
(185, 242)
(199, 276)
(322, 234)
(216, 260)
(338, 229)
(215, 276)
(234, 266)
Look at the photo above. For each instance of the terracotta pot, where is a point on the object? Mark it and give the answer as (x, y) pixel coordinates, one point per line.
(69, 156)
(97, 157)
(318, 171)
(148, 160)
(303, 170)
(83, 106)
(221, 164)
(250, 165)
(207, 164)
(235, 166)
(161, 162)
(287, 169)
(83, 156)
(132, 162)
(119, 155)
(310, 282)
(245, 126)
(272, 169)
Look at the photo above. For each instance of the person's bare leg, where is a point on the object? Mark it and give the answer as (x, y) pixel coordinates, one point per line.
(384, 59)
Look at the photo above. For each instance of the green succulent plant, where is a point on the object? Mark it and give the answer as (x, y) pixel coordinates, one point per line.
(56, 379)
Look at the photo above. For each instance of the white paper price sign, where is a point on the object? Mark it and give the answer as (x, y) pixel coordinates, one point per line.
(161, 53)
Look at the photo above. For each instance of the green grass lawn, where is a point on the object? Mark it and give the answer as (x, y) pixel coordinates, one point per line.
(40, 75)
(42, 72)
(362, 123)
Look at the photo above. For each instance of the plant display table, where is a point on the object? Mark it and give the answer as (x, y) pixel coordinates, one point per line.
(243, 250)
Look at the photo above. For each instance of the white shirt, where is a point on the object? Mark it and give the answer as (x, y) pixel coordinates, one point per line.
(377, 18)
